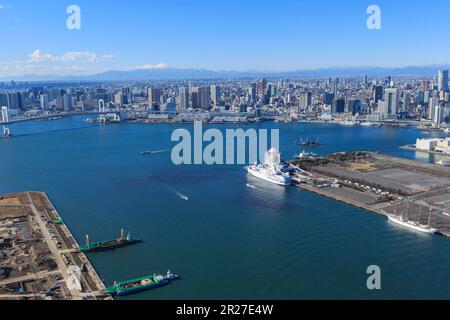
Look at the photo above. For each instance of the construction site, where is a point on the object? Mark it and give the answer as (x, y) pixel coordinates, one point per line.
(39, 257)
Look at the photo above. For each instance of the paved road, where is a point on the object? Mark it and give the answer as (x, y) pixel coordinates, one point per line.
(29, 277)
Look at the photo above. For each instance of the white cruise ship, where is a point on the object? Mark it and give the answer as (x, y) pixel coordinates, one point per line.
(271, 169)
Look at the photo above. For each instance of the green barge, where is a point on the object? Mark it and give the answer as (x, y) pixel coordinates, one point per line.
(140, 284)
(121, 242)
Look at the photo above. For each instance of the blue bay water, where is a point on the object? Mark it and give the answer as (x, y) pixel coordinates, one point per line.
(228, 241)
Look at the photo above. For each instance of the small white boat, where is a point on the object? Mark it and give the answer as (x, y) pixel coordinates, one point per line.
(305, 155)
(368, 124)
(442, 162)
(347, 123)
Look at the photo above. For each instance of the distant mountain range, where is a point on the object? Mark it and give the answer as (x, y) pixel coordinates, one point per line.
(197, 74)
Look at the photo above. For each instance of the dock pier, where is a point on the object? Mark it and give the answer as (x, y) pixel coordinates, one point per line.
(53, 267)
(383, 185)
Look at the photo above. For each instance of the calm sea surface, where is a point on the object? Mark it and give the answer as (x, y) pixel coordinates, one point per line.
(228, 241)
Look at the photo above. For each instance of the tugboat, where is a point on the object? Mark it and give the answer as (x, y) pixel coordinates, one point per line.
(309, 143)
(141, 284)
(109, 245)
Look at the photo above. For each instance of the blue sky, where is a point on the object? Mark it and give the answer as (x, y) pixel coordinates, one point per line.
(219, 35)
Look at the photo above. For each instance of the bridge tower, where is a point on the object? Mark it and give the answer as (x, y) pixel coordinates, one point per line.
(101, 106)
(5, 120)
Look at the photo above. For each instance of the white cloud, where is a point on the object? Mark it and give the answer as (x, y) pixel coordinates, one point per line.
(152, 66)
(4, 6)
(85, 56)
(40, 63)
(37, 56)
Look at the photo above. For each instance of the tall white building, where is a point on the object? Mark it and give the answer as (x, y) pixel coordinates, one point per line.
(383, 109)
(439, 115)
(215, 95)
(183, 99)
(44, 101)
(432, 105)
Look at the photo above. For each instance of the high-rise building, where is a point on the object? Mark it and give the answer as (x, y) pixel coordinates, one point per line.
(215, 95)
(383, 108)
(67, 102)
(306, 100)
(443, 80)
(154, 97)
(432, 105)
(391, 97)
(184, 99)
(204, 98)
(439, 115)
(252, 91)
(127, 95)
(3, 99)
(262, 84)
(169, 106)
(354, 106)
(55, 94)
(377, 93)
(195, 98)
(14, 101)
(328, 98)
(338, 106)
(388, 81)
(426, 85)
(44, 101)
(406, 102)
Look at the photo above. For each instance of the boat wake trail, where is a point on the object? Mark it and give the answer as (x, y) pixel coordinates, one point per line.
(183, 196)
(144, 153)
(177, 193)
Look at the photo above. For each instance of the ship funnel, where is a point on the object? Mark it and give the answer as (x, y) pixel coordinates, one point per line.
(122, 234)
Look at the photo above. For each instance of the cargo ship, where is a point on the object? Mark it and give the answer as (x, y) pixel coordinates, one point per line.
(141, 284)
(109, 245)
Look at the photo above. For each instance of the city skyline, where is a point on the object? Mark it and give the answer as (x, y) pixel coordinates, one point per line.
(215, 36)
